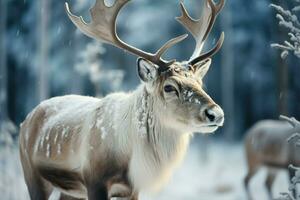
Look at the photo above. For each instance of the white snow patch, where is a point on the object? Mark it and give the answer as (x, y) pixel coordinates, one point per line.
(188, 95)
(103, 133)
(55, 138)
(42, 140)
(48, 151)
(99, 123)
(197, 101)
(59, 149)
(141, 115)
(47, 136)
(65, 132)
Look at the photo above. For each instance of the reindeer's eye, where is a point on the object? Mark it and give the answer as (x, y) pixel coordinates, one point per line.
(169, 88)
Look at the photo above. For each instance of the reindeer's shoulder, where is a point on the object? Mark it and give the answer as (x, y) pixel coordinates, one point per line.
(68, 102)
(116, 96)
(114, 101)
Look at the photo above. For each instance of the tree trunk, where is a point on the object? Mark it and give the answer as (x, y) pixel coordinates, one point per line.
(43, 87)
(7, 128)
(283, 87)
(282, 74)
(77, 82)
(227, 75)
(3, 69)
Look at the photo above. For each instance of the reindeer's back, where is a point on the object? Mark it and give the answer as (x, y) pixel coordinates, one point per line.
(267, 142)
(54, 129)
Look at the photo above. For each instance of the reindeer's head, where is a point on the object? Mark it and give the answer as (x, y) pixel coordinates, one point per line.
(183, 101)
(178, 85)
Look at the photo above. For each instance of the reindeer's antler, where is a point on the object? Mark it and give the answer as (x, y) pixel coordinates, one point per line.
(201, 28)
(103, 27)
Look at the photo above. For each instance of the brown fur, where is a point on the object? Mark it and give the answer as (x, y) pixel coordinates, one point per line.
(266, 145)
(38, 174)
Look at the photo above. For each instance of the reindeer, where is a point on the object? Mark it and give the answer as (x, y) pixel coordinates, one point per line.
(266, 144)
(124, 143)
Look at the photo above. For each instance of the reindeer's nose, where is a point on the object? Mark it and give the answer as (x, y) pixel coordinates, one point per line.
(214, 115)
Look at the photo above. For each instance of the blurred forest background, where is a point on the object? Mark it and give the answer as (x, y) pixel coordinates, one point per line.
(43, 55)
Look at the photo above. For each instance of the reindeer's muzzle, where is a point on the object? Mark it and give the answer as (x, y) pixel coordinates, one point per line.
(213, 115)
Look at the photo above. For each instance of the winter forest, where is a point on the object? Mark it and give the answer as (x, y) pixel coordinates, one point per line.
(254, 78)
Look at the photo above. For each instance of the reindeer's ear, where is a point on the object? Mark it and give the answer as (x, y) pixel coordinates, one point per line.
(148, 72)
(202, 67)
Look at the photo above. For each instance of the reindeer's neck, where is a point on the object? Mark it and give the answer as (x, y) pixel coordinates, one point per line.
(149, 118)
(157, 148)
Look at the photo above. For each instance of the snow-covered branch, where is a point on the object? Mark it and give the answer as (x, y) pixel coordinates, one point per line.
(295, 137)
(294, 140)
(285, 196)
(289, 20)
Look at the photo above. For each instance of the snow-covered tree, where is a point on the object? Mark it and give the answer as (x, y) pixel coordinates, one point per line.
(295, 181)
(90, 63)
(289, 20)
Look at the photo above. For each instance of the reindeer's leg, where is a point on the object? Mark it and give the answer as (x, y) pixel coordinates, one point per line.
(38, 189)
(122, 189)
(269, 181)
(250, 174)
(134, 196)
(292, 173)
(246, 184)
(119, 190)
(97, 191)
(66, 197)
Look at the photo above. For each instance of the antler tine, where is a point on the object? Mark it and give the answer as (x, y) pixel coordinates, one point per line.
(168, 45)
(210, 53)
(200, 28)
(103, 28)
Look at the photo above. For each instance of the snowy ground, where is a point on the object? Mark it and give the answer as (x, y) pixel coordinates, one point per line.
(216, 176)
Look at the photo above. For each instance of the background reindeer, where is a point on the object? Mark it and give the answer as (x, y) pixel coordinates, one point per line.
(126, 142)
(266, 144)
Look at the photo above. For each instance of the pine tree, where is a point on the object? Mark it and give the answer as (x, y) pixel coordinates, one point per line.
(289, 20)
